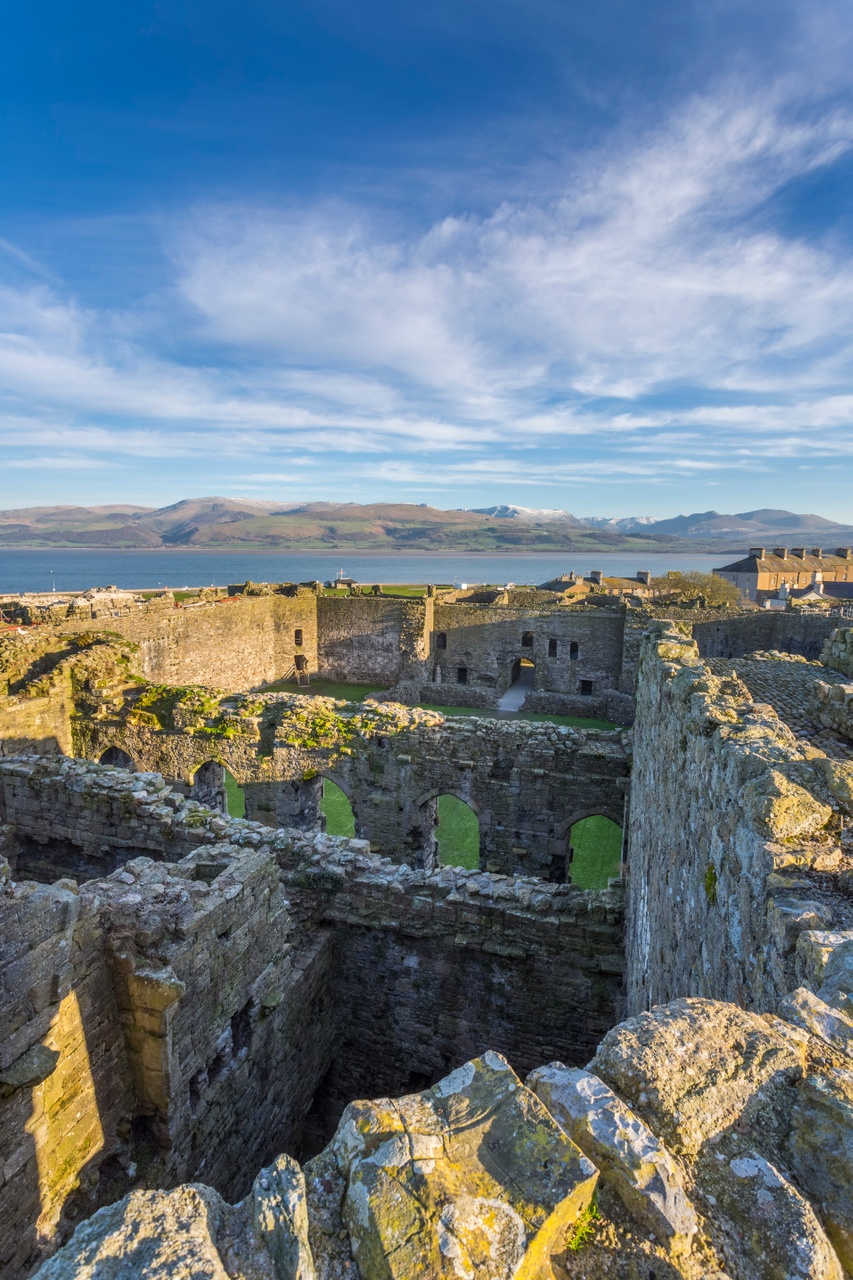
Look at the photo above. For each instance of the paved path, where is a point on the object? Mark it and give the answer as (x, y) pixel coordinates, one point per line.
(513, 699)
(785, 683)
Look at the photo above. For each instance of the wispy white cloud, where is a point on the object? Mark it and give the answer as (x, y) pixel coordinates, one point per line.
(647, 320)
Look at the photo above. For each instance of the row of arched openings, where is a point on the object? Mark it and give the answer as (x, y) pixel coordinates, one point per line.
(593, 847)
(212, 784)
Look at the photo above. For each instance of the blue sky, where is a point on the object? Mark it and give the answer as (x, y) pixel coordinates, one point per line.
(597, 257)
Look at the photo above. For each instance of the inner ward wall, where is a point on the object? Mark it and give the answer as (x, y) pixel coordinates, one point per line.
(370, 639)
(412, 1008)
(527, 782)
(728, 811)
(487, 640)
(227, 644)
(744, 633)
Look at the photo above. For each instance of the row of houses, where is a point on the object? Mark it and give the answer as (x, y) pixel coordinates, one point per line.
(807, 575)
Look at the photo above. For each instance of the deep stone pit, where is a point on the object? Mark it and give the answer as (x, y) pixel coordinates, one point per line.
(253, 981)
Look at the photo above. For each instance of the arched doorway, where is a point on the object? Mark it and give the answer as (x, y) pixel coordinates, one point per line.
(338, 815)
(117, 759)
(457, 833)
(208, 786)
(594, 851)
(522, 678)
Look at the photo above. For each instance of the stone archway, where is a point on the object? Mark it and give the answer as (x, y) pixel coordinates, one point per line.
(594, 844)
(208, 786)
(338, 812)
(461, 839)
(116, 758)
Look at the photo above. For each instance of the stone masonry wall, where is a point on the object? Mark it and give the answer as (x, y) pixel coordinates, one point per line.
(831, 706)
(64, 1087)
(198, 1005)
(487, 640)
(371, 638)
(527, 782)
(91, 828)
(838, 651)
(456, 963)
(742, 633)
(234, 644)
(736, 852)
(40, 725)
(211, 982)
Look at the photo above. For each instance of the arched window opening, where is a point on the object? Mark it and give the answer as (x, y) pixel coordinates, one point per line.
(441, 640)
(208, 786)
(527, 640)
(552, 648)
(457, 833)
(461, 675)
(574, 651)
(594, 852)
(117, 759)
(337, 811)
(297, 636)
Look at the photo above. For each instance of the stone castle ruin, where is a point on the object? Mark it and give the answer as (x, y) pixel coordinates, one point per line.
(649, 1079)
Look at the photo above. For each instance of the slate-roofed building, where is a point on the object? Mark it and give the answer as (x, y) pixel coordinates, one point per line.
(761, 573)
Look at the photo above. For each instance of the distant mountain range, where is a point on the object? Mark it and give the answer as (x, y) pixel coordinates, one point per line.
(767, 522)
(247, 523)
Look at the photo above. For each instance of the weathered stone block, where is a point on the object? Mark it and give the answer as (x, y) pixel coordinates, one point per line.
(695, 1067)
(30, 1069)
(775, 1233)
(280, 1217)
(625, 1150)
(472, 1175)
(808, 1011)
(820, 1151)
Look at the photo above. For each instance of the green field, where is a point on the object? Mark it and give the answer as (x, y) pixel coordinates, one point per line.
(235, 796)
(458, 834)
(597, 843)
(338, 811)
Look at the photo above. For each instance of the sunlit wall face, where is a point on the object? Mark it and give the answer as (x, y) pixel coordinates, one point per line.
(65, 1124)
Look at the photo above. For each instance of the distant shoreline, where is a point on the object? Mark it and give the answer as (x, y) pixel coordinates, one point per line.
(391, 551)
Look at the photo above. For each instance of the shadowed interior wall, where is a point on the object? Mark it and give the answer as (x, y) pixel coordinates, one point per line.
(228, 988)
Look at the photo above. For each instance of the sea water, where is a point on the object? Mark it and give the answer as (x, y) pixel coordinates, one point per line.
(76, 570)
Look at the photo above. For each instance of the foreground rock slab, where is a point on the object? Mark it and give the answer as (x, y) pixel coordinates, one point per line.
(820, 1151)
(473, 1178)
(695, 1067)
(148, 1234)
(773, 1230)
(630, 1157)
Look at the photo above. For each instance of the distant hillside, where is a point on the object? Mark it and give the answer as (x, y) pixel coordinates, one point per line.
(531, 514)
(764, 523)
(253, 524)
(709, 526)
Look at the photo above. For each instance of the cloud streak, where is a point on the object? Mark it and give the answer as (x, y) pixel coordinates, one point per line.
(648, 319)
